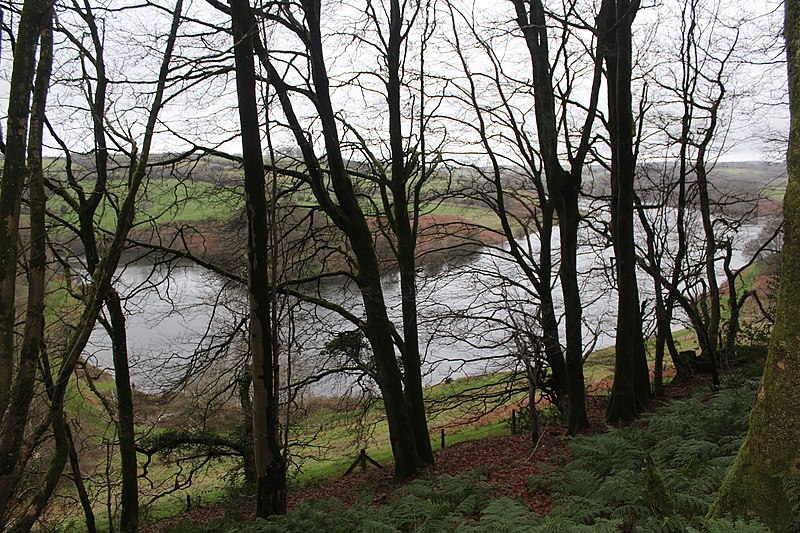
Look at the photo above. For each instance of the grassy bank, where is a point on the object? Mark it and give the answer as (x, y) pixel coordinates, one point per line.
(659, 474)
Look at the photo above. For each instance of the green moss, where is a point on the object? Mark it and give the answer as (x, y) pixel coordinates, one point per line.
(755, 486)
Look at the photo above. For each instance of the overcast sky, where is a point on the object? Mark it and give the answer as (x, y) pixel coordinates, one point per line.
(755, 77)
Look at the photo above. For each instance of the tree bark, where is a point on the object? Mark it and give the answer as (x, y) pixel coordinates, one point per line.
(564, 187)
(80, 486)
(771, 451)
(270, 468)
(631, 389)
(34, 15)
(342, 206)
(96, 295)
(129, 500)
(551, 338)
(406, 243)
(712, 300)
(573, 310)
(14, 419)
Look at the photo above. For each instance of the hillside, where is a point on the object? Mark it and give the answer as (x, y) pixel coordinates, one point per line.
(661, 472)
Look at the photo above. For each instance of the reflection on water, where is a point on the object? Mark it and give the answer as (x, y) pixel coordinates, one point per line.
(171, 313)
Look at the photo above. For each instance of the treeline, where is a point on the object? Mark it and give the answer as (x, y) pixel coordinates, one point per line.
(351, 129)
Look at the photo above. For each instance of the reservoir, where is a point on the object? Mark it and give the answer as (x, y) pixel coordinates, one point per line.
(182, 318)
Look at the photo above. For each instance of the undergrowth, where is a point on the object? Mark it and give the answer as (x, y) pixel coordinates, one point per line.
(660, 474)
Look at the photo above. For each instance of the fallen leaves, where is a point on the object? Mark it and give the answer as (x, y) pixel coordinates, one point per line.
(506, 464)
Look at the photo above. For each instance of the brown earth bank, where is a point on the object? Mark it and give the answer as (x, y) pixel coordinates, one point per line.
(504, 462)
(441, 238)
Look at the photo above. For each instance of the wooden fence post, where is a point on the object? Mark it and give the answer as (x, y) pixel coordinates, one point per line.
(362, 460)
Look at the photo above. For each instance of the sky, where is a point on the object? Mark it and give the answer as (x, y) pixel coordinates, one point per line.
(205, 113)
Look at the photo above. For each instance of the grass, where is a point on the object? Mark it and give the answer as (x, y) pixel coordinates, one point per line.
(775, 192)
(599, 365)
(322, 470)
(164, 200)
(170, 200)
(658, 474)
(334, 429)
(183, 201)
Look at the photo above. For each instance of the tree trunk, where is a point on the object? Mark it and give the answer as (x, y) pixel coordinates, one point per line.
(96, 295)
(407, 460)
(246, 403)
(771, 451)
(343, 208)
(680, 226)
(531, 372)
(573, 310)
(129, 516)
(551, 339)
(735, 304)
(564, 188)
(412, 360)
(34, 15)
(406, 244)
(662, 331)
(631, 387)
(14, 420)
(77, 480)
(270, 468)
(51, 478)
(712, 299)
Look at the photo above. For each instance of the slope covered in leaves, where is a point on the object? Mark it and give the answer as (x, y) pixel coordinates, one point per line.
(657, 475)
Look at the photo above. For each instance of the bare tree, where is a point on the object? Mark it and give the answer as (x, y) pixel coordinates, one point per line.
(270, 469)
(564, 185)
(758, 483)
(512, 185)
(335, 190)
(685, 195)
(96, 294)
(16, 391)
(631, 389)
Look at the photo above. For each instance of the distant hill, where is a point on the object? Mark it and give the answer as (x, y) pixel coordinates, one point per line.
(745, 179)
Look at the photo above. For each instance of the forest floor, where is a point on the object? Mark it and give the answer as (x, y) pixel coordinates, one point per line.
(505, 462)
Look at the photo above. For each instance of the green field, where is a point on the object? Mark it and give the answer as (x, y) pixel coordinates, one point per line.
(162, 201)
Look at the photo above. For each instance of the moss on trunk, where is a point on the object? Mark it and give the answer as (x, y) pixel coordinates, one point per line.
(755, 485)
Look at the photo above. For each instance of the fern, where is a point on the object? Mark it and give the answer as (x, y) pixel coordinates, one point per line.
(563, 525)
(791, 486)
(691, 442)
(723, 525)
(656, 476)
(503, 515)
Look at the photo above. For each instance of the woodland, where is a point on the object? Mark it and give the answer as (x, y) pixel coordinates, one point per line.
(384, 265)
